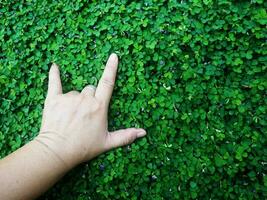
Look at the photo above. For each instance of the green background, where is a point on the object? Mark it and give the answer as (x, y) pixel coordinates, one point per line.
(192, 73)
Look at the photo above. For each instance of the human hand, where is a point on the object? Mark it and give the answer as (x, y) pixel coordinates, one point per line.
(75, 125)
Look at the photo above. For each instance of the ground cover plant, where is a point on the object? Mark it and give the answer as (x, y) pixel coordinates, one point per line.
(192, 73)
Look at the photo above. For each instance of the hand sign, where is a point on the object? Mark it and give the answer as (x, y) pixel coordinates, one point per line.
(74, 125)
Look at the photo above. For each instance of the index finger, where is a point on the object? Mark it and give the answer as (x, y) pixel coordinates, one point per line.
(107, 81)
(54, 82)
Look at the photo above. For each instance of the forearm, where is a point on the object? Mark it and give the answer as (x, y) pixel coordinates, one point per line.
(30, 171)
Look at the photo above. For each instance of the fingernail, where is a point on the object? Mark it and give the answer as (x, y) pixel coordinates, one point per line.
(141, 133)
(53, 65)
(113, 56)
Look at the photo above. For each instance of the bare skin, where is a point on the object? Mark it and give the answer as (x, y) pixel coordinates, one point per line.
(74, 130)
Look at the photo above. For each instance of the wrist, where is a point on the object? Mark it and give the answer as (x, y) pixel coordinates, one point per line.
(59, 147)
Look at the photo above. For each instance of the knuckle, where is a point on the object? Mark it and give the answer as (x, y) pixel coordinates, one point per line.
(88, 91)
(97, 106)
(82, 97)
(90, 87)
(129, 139)
(74, 93)
(108, 82)
(49, 102)
(46, 102)
(126, 141)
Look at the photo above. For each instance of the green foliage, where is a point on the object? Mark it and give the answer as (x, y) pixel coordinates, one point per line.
(192, 73)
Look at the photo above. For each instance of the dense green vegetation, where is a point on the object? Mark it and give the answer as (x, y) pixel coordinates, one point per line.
(192, 73)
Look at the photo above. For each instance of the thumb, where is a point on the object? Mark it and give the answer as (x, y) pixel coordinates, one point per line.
(123, 137)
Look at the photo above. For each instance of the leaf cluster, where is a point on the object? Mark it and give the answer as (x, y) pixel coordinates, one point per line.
(192, 73)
